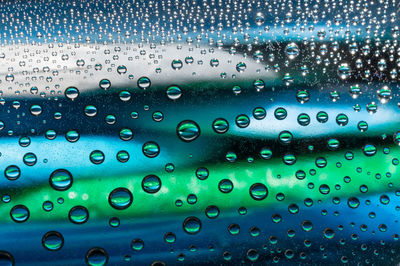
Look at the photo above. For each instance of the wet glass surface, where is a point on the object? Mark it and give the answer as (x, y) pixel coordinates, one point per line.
(199, 132)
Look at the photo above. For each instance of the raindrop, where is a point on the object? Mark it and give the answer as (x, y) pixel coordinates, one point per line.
(71, 93)
(292, 50)
(12, 172)
(188, 130)
(151, 149)
(19, 213)
(53, 241)
(258, 191)
(60, 180)
(126, 134)
(78, 215)
(220, 125)
(151, 184)
(212, 212)
(144, 83)
(174, 92)
(120, 198)
(6, 259)
(96, 257)
(97, 157)
(225, 186)
(192, 225)
(137, 245)
(105, 84)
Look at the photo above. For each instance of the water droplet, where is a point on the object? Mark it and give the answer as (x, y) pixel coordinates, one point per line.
(258, 191)
(96, 257)
(202, 173)
(110, 119)
(151, 149)
(252, 255)
(220, 125)
(260, 19)
(105, 84)
(47, 206)
(355, 91)
(306, 226)
(125, 96)
(122, 156)
(353, 202)
(289, 159)
(169, 238)
(144, 83)
(151, 184)
(36, 109)
(192, 225)
(240, 67)
(280, 113)
(285, 137)
(259, 84)
(78, 215)
(292, 50)
(212, 212)
(302, 96)
(384, 94)
(225, 186)
(384, 199)
(342, 120)
(97, 157)
(53, 241)
(324, 189)
(12, 172)
(321, 162)
(61, 180)
(19, 213)
(322, 117)
(362, 126)
(72, 136)
(174, 92)
(242, 121)
(120, 198)
(266, 153)
(176, 64)
(114, 222)
(329, 233)
(303, 119)
(293, 208)
(6, 259)
(396, 138)
(126, 134)
(372, 108)
(188, 130)
(137, 245)
(344, 71)
(234, 229)
(71, 93)
(259, 113)
(369, 150)
(214, 62)
(90, 110)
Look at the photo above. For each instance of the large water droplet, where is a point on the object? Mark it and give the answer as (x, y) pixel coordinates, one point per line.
(19, 213)
(61, 180)
(96, 257)
(151, 184)
(120, 198)
(258, 191)
(53, 241)
(188, 130)
(78, 215)
(192, 225)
